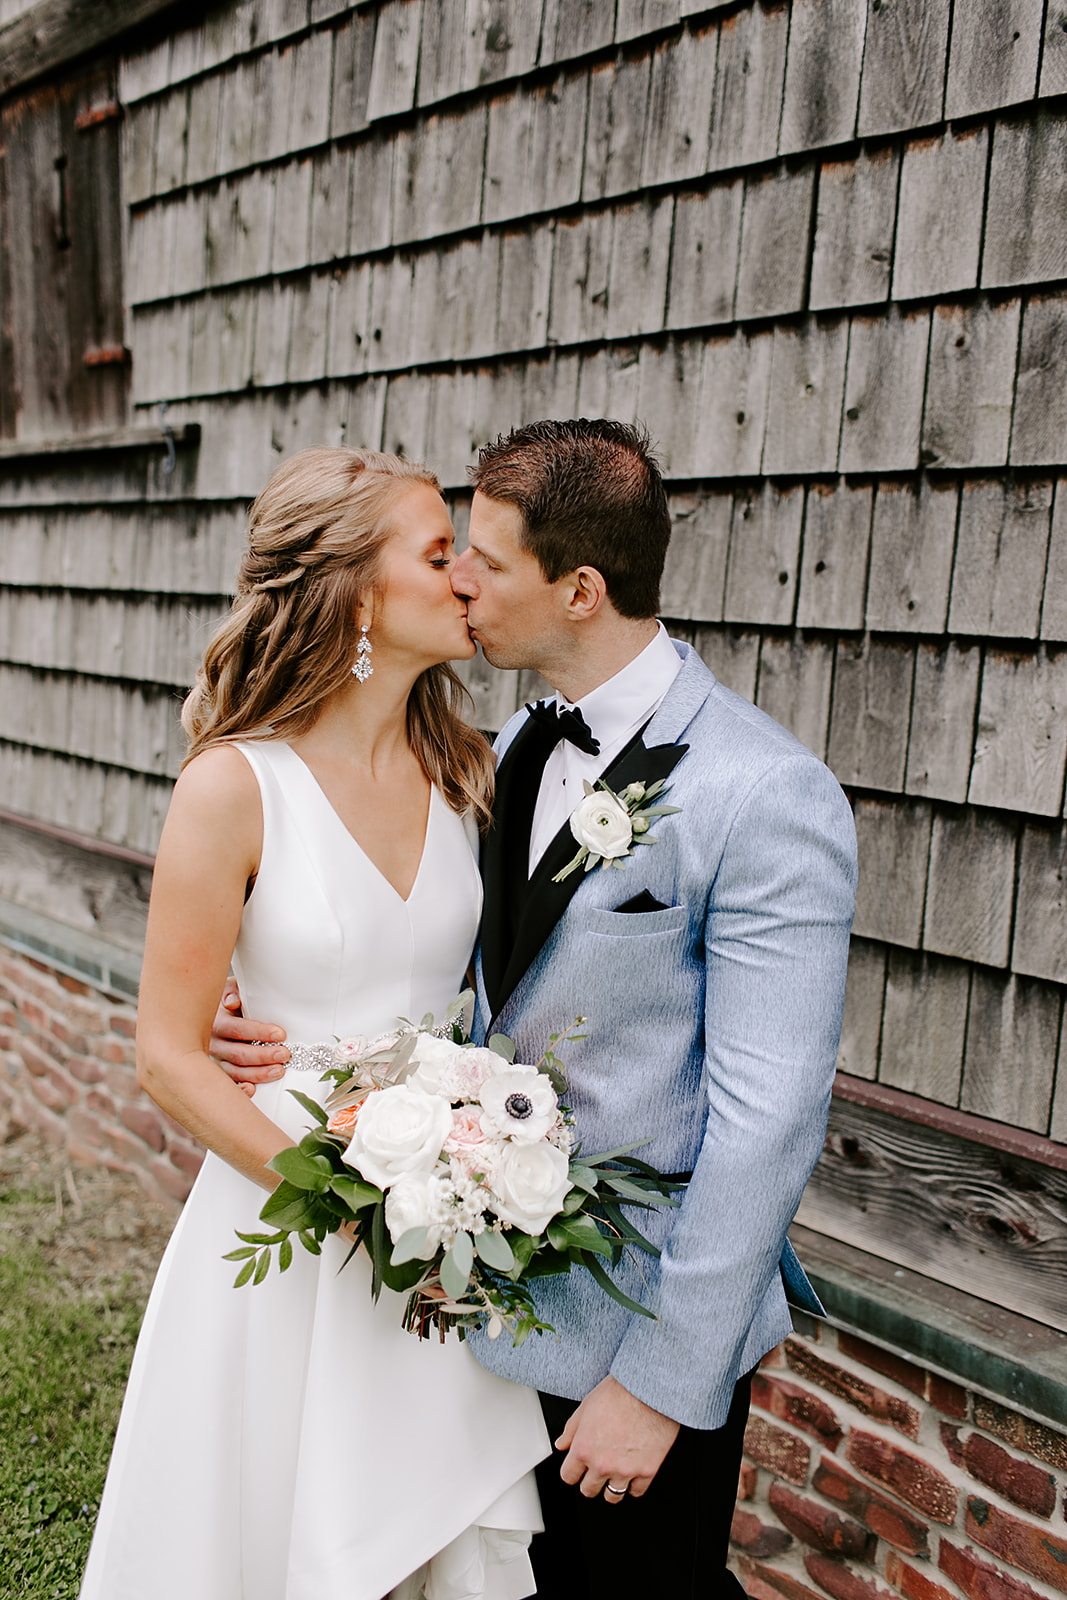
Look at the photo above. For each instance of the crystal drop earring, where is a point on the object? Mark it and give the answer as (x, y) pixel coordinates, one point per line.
(362, 669)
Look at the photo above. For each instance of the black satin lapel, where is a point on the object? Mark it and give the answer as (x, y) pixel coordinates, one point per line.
(546, 901)
(507, 844)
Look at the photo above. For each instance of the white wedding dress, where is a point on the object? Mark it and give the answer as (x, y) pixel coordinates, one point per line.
(289, 1441)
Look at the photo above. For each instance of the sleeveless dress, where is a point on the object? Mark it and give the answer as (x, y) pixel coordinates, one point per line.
(289, 1441)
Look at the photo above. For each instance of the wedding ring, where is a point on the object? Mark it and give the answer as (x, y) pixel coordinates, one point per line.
(609, 1488)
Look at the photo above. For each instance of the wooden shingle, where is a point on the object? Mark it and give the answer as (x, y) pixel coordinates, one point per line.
(237, 125)
(795, 675)
(202, 138)
(1011, 1050)
(669, 378)
(750, 74)
(607, 383)
(1039, 948)
(833, 571)
(761, 570)
(912, 538)
(733, 656)
(501, 39)
(238, 228)
(855, 219)
(971, 887)
(822, 76)
(1026, 227)
(733, 405)
(939, 231)
(549, 389)
(525, 283)
(331, 195)
(139, 151)
(1021, 743)
(273, 327)
(221, 342)
(904, 59)
(581, 268)
(353, 61)
(390, 313)
(615, 136)
(694, 577)
(450, 433)
(640, 256)
(807, 386)
(970, 385)
(707, 238)
(272, 106)
(993, 55)
(1054, 81)
(292, 215)
(893, 841)
(1054, 603)
(868, 724)
(636, 17)
(861, 1025)
(171, 125)
(346, 351)
(437, 180)
(923, 1023)
(307, 343)
(775, 240)
(679, 112)
(371, 211)
(441, 51)
(536, 139)
(407, 415)
(884, 392)
(1039, 423)
(309, 117)
(571, 27)
(1001, 549)
(396, 57)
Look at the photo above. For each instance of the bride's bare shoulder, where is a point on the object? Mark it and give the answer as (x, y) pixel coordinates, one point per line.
(217, 782)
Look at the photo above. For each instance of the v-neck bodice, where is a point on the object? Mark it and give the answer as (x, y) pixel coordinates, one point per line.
(327, 945)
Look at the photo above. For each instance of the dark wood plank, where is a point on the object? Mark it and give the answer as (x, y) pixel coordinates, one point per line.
(939, 748)
(1014, 1022)
(1026, 228)
(861, 1026)
(694, 577)
(993, 55)
(855, 221)
(54, 32)
(912, 538)
(833, 572)
(679, 114)
(872, 680)
(884, 392)
(970, 385)
(1001, 551)
(939, 229)
(807, 387)
(822, 77)
(985, 1222)
(923, 1025)
(618, 111)
(970, 890)
(795, 675)
(761, 572)
(893, 840)
(750, 73)
(1039, 948)
(775, 240)
(1021, 744)
(904, 60)
(707, 239)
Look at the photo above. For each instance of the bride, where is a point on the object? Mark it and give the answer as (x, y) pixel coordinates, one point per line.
(289, 1440)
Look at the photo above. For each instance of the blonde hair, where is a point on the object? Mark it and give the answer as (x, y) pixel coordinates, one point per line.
(315, 538)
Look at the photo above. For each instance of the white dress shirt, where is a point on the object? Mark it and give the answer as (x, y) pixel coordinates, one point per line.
(615, 710)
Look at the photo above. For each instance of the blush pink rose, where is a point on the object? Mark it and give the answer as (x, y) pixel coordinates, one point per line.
(467, 1131)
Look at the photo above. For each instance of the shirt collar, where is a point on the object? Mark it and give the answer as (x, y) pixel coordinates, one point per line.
(622, 703)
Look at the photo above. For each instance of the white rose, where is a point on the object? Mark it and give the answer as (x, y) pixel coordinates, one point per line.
(350, 1049)
(414, 1201)
(520, 1104)
(602, 825)
(530, 1184)
(400, 1130)
(432, 1061)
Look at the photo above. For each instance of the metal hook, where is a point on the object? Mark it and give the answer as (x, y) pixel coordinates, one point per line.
(168, 439)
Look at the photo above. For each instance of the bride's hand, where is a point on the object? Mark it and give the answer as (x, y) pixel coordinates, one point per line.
(251, 1052)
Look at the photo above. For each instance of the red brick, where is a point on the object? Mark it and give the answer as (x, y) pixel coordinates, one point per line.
(123, 1081)
(791, 1403)
(946, 1396)
(34, 1015)
(187, 1158)
(85, 1069)
(123, 1022)
(73, 1038)
(37, 1063)
(63, 1086)
(781, 1453)
(746, 1482)
(913, 1479)
(145, 1124)
(841, 1582)
(72, 985)
(50, 1096)
(171, 1182)
(977, 1579)
(773, 1359)
(116, 1052)
(873, 1402)
(913, 1585)
(85, 1014)
(756, 1538)
(763, 1583)
(1037, 1551)
(888, 1520)
(1033, 1437)
(818, 1526)
(1021, 1482)
(83, 1125)
(903, 1372)
(131, 1153)
(102, 1104)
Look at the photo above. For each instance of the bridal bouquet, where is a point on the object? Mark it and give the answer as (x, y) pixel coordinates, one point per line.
(457, 1168)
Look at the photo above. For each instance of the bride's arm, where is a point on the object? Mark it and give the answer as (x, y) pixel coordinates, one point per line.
(208, 852)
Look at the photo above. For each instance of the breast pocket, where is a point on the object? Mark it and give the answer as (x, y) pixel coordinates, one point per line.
(637, 924)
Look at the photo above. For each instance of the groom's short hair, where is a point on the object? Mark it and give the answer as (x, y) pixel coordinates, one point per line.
(590, 494)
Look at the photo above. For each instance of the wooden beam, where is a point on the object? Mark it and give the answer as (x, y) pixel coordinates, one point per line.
(184, 436)
(81, 841)
(54, 32)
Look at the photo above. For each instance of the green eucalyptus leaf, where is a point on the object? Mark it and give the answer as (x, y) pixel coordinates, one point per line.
(245, 1273)
(453, 1281)
(285, 1254)
(262, 1266)
(239, 1255)
(463, 1253)
(310, 1243)
(409, 1245)
(501, 1045)
(495, 1251)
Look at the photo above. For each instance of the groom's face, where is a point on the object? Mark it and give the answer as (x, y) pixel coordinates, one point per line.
(512, 611)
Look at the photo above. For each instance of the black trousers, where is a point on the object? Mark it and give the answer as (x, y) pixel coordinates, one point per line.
(671, 1542)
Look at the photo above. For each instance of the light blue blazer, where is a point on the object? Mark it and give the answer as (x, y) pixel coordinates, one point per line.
(712, 1034)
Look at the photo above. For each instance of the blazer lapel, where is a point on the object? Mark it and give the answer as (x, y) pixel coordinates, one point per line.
(506, 847)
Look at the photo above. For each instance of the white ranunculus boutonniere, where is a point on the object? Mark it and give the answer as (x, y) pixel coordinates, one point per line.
(608, 825)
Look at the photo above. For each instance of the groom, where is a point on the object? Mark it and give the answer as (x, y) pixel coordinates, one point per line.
(711, 969)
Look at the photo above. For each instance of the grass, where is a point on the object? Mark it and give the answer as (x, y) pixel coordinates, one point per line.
(72, 1292)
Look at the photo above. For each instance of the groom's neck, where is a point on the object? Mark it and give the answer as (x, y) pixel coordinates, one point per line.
(595, 656)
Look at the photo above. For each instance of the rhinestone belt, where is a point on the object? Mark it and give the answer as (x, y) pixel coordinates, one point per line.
(311, 1057)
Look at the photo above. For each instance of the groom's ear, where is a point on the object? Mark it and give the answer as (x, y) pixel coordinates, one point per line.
(586, 592)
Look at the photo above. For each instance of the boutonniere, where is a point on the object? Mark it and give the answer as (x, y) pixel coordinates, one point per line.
(608, 825)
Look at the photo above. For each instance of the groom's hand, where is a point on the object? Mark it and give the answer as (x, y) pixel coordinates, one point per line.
(614, 1438)
(251, 1052)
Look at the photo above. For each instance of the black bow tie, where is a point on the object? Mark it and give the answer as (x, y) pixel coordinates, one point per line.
(569, 724)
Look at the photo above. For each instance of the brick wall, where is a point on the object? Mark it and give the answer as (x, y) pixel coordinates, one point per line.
(869, 1478)
(67, 1069)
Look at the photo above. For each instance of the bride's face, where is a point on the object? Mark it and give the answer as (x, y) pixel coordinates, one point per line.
(418, 620)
